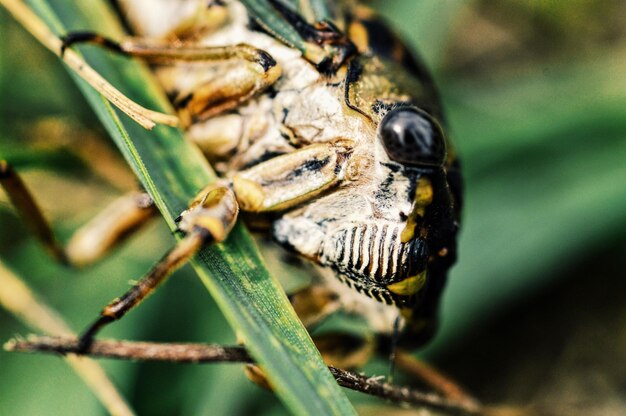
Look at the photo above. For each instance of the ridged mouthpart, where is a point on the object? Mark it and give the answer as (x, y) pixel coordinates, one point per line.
(372, 253)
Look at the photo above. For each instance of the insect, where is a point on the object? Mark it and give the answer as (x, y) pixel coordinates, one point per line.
(327, 130)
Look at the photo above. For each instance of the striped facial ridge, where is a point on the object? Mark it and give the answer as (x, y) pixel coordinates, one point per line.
(380, 294)
(373, 252)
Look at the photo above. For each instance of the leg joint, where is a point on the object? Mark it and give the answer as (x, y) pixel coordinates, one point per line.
(89, 37)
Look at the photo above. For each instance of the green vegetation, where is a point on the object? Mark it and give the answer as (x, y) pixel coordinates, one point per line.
(535, 98)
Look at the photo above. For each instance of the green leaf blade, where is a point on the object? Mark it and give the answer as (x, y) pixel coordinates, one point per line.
(173, 171)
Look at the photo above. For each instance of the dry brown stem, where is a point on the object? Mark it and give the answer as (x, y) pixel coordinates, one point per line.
(203, 353)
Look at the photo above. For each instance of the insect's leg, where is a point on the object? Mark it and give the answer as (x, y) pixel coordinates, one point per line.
(394, 348)
(285, 181)
(209, 219)
(110, 227)
(27, 208)
(345, 350)
(91, 241)
(210, 97)
(322, 43)
(313, 305)
(237, 140)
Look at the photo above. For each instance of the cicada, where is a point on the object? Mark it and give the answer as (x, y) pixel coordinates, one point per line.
(327, 133)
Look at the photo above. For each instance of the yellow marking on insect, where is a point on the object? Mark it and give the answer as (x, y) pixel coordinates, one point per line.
(409, 286)
(250, 194)
(359, 36)
(314, 53)
(423, 198)
(214, 226)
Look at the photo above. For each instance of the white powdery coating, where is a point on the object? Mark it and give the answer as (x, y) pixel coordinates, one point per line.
(156, 18)
(309, 107)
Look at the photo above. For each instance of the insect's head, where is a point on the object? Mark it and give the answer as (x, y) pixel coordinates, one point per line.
(415, 197)
(412, 137)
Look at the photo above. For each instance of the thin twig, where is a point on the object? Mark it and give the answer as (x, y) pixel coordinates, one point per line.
(19, 300)
(143, 116)
(202, 353)
(400, 394)
(141, 351)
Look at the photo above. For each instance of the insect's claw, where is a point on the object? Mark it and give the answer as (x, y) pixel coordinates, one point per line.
(84, 344)
(87, 338)
(63, 47)
(72, 38)
(177, 221)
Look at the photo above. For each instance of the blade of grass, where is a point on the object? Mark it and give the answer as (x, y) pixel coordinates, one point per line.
(173, 172)
(270, 18)
(146, 118)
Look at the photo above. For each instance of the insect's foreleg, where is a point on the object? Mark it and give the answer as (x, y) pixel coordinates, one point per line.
(228, 89)
(322, 43)
(118, 307)
(159, 52)
(293, 178)
(258, 70)
(29, 210)
(209, 219)
(93, 240)
(111, 226)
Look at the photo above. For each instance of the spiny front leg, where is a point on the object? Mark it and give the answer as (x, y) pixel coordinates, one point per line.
(209, 219)
(255, 71)
(291, 179)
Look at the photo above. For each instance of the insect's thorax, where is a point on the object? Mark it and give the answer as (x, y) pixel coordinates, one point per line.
(357, 227)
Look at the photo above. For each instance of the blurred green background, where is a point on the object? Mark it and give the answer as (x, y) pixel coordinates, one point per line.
(534, 314)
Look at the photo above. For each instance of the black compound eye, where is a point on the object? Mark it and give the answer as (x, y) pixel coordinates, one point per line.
(412, 137)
